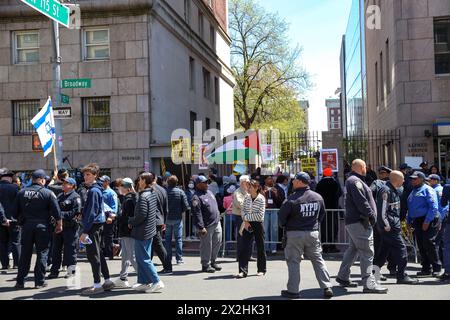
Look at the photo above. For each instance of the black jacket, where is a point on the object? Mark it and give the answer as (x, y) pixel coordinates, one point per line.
(127, 211)
(70, 205)
(331, 191)
(144, 220)
(359, 203)
(36, 204)
(303, 211)
(388, 207)
(205, 209)
(162, 207)
(8, 194)
(178, 204)
(2, 214)
(56, 188)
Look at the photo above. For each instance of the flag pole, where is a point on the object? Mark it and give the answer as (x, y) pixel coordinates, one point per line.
(55, 160)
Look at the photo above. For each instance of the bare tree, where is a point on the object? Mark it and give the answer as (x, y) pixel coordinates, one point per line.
(264, 64)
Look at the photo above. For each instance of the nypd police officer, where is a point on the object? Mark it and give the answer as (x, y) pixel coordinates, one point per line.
(301, 217)
(389, 228)
(34, 207)
(424, 217)
(206, 218)
(360, 217)
(70, 204)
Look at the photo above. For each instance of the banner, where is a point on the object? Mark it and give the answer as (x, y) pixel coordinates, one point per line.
(202, 161)
(309, 164)
(329, 159)
(267, 153)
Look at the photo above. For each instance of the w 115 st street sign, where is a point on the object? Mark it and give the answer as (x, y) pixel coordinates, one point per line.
(52, 9)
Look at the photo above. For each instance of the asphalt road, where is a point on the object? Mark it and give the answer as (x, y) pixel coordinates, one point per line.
(188, 283)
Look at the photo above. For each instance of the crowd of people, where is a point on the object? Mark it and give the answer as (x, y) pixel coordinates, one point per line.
(57, 217)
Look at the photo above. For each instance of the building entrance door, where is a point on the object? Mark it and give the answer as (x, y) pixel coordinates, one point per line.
(444, 157)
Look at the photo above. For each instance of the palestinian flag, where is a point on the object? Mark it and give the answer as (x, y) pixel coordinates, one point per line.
(237, 147)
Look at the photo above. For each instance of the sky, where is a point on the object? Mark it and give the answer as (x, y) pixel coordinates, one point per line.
(317, 26)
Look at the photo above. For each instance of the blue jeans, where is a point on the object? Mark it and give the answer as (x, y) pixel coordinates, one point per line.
(271, 229)
(175, 228)
(147, 273)
(447, 247)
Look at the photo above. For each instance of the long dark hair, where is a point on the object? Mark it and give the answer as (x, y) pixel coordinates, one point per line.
(255, 184)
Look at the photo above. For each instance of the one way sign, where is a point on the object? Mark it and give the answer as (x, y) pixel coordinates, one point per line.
(62, 113)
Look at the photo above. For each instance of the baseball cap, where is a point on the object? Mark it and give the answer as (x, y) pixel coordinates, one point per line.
(404, 166)
(201, 179)
(303, 177)
(385, 169)
(39, 174)
(127, 182)
(417, 175)
(434, 177)
(105, 178)
(71, 181)
(231, 189)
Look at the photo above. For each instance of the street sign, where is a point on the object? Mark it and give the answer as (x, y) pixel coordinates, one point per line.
(65, 99)
(76, 83)
(62, 113)
(52, 9)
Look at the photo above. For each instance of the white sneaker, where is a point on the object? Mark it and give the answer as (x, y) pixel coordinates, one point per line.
(157, 287)
(122, 283)
(142, 287)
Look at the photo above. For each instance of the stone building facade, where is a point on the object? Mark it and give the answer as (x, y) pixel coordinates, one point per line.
(155, 65)
(408, 67)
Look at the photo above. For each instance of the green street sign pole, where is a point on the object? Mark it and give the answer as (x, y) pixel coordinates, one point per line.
(59, 14)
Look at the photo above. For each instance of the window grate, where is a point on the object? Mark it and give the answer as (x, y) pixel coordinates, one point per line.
(23, 112)
(96, 115)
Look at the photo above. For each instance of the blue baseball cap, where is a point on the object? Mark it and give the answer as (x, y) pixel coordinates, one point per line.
(418, 175)
(201, 179)
(303, 177)
(39, 174)
(105, 178)
(434, 177)
(71, 181)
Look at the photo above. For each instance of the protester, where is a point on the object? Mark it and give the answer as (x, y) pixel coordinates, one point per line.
(33, 208)
(229, 217)
(190, 227)
(143, 230)
(178, 206)
(271, 220)
(238, 202)
(330, 190)
(360, 217)
(93, 220)
(129, 196)
(206, 217)
(111, 205)
(301, 216)
(70, 205)
(253, 210)
(10, 232)
(424, 217)
(282, 184)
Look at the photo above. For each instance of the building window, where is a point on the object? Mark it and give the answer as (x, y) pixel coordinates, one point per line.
(388, 68)
(26, 47)
(332, 111)
(187, 11)
(377, 91)
(206, 84)
(23, 112)
(442, 46)
(192, 118)
(212, 37)
(218, 125)
(207, 123)
(191, 73)
(201, 24)
(96, 115)
(381, 78)
(216, 91)
(96, 44)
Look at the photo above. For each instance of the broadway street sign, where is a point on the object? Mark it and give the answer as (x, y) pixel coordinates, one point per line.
(52, 9)
(76, 83)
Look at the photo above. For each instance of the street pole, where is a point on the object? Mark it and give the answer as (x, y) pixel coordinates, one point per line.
(56, 99)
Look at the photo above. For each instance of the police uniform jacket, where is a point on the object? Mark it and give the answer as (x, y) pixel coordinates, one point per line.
(423, 203)
(70, 205)
(388, 207)
(205, 209)
(36, 204)
(303, 211)
(359, 200)
(8, 193)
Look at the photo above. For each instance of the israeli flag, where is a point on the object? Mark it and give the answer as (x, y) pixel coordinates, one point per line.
(44, 123)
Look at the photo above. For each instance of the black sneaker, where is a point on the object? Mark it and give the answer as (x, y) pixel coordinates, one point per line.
(19, 286)
(346, 284)
(328, 293)
(407, 280)
(208, 269)
(40, 286)
(290, 295)
(166, 271)
(424, 274)
(53, 276)
(216, 267)
(445, 277)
